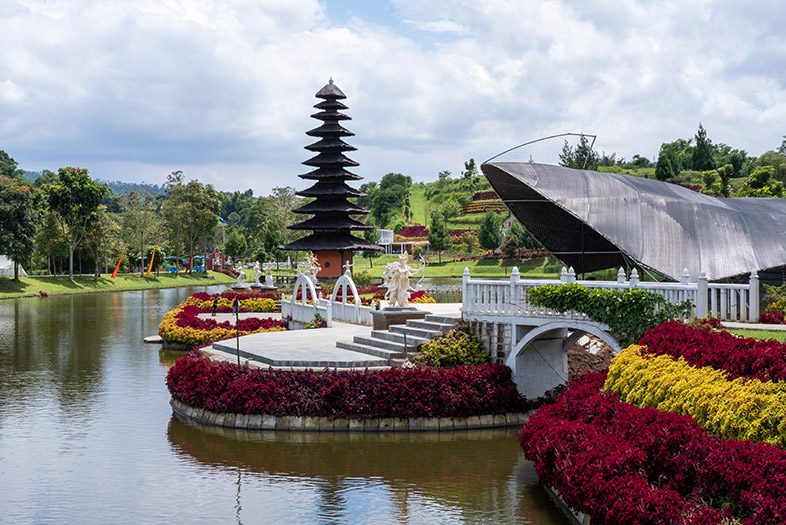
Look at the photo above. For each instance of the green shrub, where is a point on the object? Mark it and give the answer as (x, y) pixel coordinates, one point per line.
(627, 313)
(362, 278)
(456, 347)
(774, 298)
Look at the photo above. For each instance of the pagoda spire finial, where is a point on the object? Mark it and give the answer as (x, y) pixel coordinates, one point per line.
(331, 79)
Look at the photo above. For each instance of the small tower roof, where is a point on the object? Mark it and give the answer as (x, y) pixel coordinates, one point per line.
(330, 91)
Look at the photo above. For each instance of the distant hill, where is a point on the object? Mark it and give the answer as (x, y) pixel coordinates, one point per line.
(118, 187)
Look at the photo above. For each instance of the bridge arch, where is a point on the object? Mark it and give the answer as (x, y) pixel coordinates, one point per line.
(539, 359)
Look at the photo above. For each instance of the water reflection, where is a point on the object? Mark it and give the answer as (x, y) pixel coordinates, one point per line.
(87, 436)
(478, 475)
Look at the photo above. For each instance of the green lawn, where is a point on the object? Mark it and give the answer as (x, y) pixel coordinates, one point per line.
(531, 268)
(778, 335)
(31, 286)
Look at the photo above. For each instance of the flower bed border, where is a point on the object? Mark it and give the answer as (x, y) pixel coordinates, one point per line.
(327, 424)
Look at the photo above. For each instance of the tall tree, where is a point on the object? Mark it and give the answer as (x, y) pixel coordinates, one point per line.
(438, 238)
(140, 223)
(701, 158)
(490, 233)
(190, 212)
(580, 157)
(17, 220)
(74, 198)
(236, 246)
(666, 168)
(102, 238)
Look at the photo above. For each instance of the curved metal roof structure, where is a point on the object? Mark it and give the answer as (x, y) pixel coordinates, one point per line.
(592, 220)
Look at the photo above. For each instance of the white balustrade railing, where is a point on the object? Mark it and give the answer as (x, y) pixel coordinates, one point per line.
(510, 297)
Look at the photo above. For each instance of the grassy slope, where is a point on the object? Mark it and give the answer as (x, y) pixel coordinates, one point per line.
(778, 335)
(30, 286)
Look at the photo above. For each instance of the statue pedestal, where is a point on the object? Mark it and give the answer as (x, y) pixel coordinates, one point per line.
(239, 286)
(382, 319)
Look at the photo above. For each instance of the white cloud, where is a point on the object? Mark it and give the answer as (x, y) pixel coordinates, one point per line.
(224, 89)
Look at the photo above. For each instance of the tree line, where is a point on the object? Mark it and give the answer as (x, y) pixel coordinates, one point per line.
(64, 222)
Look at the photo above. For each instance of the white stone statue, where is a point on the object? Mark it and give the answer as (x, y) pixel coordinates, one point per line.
(241, 276)
(348, 268)
(257, 274)
(312, 267)
(397, 279)
(269, 275)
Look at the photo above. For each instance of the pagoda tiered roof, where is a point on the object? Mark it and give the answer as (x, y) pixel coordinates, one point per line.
(331, 222)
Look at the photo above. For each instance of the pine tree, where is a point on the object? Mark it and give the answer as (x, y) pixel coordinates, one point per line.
(438, 238)
(701, 158)
(666, 168)
(490, 234)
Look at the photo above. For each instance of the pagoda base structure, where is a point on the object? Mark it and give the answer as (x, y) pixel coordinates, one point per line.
(333, 262)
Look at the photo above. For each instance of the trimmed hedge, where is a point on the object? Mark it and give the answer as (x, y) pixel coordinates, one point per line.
(739, 409)
(624, 464)
(453, 348)
(739, 356)
(418, 392)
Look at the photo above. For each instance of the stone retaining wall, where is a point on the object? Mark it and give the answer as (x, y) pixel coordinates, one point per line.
(326, 424)
(575, 517)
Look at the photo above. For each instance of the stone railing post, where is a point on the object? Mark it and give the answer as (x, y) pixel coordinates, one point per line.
(465, 305)
(685, 277)
(753, 297)
(621, 276)
(514, 285)
(563, 275)
(571, 275)
(701, 296)
(634, 278)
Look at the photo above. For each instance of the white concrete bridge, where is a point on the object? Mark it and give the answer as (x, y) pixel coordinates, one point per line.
(533, 341)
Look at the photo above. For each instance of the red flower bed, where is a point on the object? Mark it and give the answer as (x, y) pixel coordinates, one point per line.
(459, 232)
(484, 195)
(623, 464)
(397, 392)
(772, 318)
(414, 230)
(188, 319)
(739, 356)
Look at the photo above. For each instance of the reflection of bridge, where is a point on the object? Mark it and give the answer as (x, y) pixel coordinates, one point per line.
(533, 341)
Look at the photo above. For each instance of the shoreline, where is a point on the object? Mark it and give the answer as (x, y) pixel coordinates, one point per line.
(28, 287)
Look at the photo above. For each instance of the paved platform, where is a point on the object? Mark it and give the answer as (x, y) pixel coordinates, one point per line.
(312, 348)
(307, 349)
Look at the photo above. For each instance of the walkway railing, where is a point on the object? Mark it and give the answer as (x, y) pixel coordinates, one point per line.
(485, 298)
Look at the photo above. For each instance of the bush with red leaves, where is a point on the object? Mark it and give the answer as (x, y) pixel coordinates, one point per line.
(396, 392)
(772, 318)
(739, 356)
(484, 195)
(413, 230)
(624, 464)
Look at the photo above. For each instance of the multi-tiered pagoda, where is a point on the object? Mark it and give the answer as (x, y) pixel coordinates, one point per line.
(331, 239)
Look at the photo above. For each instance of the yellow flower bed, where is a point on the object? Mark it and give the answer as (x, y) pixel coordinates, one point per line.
(171, 333)
(250, 305)
(737, 409)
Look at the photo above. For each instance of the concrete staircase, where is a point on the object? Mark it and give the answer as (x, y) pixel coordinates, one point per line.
(400, 342)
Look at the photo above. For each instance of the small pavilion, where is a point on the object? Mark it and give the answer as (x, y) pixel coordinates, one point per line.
(332, 220)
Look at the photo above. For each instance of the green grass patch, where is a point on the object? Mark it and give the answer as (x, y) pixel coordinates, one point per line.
(31, 286)
(778, 335)
(538, 268)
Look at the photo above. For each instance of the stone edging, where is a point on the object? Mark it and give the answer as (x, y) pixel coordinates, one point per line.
(326, 424)
(575, 518)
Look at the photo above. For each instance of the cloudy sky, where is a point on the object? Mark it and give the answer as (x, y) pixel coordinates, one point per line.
(223, 89)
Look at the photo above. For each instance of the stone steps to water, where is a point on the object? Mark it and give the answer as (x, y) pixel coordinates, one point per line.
(396, 337)
(390, 344)
(369, 349)
(415, 332)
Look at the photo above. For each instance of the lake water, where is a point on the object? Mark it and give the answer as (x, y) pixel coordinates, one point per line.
(87, 436)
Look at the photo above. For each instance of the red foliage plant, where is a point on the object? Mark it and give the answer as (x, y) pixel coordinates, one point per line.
(396, 392)
(188, 319)
(242, 294)
(413, 230)
(772, 318)
(739, 356)
(624, 464)
(484, 195)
